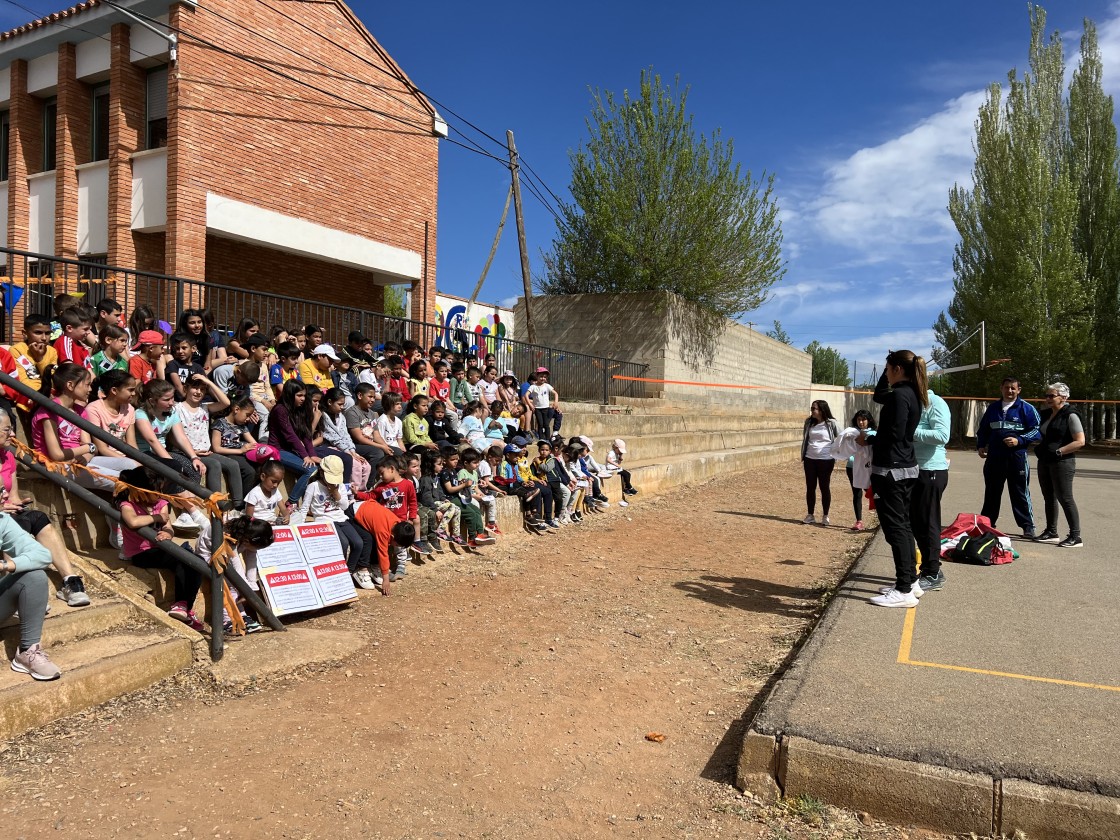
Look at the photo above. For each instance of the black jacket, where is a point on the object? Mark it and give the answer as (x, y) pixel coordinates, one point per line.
(1057, 434)
(893, 444)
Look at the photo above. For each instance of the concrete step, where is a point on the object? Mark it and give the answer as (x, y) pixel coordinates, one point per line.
(94, 670)
(68, 624)
(648, 447)
(610, 426)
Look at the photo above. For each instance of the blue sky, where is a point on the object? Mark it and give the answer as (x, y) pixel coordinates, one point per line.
(863, 111)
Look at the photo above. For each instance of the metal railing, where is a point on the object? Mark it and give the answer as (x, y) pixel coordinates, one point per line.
(31, 281)
(170, 547)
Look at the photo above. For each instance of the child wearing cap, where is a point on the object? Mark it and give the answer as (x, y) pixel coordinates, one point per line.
(614, 465)
(148, 363)
(328, 499)
(316, 369)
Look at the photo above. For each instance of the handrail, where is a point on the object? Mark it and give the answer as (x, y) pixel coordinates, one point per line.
(168, 546)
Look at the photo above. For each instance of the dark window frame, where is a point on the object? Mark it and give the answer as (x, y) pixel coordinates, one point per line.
(99, 122)
(50, 134)
(156, 126)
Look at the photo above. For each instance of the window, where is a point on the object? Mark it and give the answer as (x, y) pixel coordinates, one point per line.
(50, 118)
(99, 124)
(5, 125)
(157, 108)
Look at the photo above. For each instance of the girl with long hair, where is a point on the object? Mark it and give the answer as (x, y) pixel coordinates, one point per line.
(816, 457)
(289, 430)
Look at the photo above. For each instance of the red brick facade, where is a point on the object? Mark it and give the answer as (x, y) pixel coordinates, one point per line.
(345, 143)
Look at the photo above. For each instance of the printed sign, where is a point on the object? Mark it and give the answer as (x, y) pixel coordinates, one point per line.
(323, 551)
(284, 573)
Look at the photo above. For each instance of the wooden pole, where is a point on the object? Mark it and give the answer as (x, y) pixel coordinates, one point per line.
(514, 169)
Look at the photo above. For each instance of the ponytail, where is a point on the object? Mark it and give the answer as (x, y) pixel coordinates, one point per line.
(915, 369)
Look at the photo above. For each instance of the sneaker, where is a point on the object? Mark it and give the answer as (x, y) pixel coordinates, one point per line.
(809, 520)
(491, 526)
(552, 523)
(115, 539)
(363, 578)
(193, 622)
(443, 535)
(495, 530)
(435, 543)
(858, 526)
(1028, 533)
(400, 571)
(34, 661)
(395, 576)
(916, 590)
(623, 503)
(1071, 542)
(577, 517)
(632, 491)
(825, 522)
(422, 548)
(73, 592)
(932, 582)
(603, 503)
(251, 624)
(186, 522)
(379, 581)
(179, 611)
(1048, 536)
(893, 598)
(458, 539)
(483, 539)
(566, 519)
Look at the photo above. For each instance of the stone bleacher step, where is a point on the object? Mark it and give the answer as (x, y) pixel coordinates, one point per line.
(104, 650)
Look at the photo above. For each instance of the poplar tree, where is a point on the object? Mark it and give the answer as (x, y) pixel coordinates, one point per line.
(1031, 226)
(659, 208)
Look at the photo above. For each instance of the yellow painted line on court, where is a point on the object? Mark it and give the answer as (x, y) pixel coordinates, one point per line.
(907, 640)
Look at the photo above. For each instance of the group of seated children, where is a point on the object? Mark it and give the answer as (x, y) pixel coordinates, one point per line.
(247, 408)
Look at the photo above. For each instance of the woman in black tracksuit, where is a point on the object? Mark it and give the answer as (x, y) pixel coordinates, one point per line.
(1062, 435)
(902, 391)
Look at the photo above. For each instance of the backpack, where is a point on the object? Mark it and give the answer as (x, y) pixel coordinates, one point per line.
(975, 550)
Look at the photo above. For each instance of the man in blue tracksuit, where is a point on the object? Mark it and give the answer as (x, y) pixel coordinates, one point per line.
(1006, 429)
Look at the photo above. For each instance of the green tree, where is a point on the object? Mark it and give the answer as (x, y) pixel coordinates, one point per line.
(829, 367)
(658, 208)
(393, 304)
(1032, 226)
(779, 334)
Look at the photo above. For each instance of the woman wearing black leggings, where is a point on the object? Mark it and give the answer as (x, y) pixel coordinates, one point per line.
(903, 393)
(816, 457)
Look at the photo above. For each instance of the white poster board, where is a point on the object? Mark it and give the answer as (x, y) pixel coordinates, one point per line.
(285, 576)
(323, 550)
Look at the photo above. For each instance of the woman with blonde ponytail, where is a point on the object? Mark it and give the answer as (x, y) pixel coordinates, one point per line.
(902, 392)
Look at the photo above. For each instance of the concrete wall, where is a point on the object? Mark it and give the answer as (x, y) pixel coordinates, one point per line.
(661, 330)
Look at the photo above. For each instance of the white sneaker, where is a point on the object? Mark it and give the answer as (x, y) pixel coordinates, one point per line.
(824, 522)
(186, 522)
(916, 590)
(893, 598)
(809, 520)
(363, 578)
(624, 503)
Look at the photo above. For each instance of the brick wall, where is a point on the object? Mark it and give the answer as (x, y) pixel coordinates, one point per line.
(244, 132)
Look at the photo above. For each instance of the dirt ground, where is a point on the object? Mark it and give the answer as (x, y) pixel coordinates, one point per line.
(504, 695)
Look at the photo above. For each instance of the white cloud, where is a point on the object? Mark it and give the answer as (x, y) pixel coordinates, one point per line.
(893, 196)
(509, 302)
(874, 347)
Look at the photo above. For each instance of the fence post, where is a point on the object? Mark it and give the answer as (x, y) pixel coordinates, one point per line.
(606, 384)
(178, 299)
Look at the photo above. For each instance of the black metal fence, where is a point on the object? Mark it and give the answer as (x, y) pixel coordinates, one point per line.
(31, 281)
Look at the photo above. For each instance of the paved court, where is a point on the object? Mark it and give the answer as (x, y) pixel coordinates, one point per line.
(1011, 671)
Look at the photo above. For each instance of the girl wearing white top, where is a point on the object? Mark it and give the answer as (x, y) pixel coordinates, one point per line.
(816, 456)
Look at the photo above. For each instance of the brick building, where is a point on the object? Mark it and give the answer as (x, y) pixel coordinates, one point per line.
(269, 145)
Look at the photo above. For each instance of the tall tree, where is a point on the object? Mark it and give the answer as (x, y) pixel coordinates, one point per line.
(1021, 263)
(1093, 166)
(658, 207)
(829, 367)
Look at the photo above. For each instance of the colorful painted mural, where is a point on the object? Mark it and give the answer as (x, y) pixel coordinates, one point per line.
(475, 331)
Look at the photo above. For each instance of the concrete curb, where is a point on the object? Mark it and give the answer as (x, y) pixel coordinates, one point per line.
(773, 763)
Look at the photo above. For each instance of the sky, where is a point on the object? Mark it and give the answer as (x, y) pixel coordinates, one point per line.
(863, 112)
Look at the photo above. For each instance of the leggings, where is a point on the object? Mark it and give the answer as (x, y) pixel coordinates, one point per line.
(187, 580)
(818, 472)
(857, 495)
(216, 466)
(1056, 480)
(29, 593)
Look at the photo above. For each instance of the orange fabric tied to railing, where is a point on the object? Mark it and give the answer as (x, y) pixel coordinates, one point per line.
(138, 495)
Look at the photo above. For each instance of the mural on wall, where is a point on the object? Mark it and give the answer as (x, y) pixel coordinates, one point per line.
(475, 332)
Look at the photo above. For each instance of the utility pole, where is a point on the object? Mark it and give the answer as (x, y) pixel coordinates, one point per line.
(514, 169)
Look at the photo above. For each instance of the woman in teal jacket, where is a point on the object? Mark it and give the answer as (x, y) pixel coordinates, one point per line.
(24, 587)
(933, 477)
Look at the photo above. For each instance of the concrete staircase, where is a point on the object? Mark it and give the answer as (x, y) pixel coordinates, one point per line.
(104, 650)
